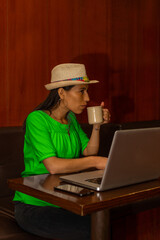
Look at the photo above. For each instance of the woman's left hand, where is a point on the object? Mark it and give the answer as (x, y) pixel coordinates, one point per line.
(106, 114)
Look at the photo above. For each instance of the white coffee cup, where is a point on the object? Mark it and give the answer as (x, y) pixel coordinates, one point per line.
(95, 114)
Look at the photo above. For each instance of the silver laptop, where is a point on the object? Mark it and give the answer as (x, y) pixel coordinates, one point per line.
(134, 157)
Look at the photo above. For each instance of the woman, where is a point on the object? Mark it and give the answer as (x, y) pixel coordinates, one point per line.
(53, 144)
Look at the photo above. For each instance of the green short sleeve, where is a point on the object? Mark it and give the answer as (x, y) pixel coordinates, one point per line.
(38, 136)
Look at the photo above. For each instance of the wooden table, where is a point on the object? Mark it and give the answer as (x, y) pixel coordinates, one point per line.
(98, 204)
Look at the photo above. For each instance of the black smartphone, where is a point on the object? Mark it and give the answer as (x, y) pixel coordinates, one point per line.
(74, 189)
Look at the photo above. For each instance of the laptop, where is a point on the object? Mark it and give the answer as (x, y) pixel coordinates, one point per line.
(134, 157)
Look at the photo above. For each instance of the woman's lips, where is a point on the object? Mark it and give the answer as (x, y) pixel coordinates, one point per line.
(83, 106)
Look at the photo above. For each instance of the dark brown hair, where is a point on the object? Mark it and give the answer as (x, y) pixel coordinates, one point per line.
(50, 102)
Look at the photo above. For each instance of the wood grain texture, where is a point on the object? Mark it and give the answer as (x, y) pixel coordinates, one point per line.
(127, 225)
(44, 189)
(135, 32)
(142, 226)
(118, 41)
(27, 57)
(3, 64)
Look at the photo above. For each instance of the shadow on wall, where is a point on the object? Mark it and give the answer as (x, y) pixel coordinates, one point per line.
(97, 67)
(112, 88)
(122, 105)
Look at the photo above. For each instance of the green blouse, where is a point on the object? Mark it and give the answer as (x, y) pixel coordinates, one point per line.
(44, 138)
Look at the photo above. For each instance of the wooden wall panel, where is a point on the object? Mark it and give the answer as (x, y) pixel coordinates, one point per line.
(3, 64)
(147, 85)
(64, 31)
(123, 58)
(27, 54)
(135, 32)
(118, 40)
(142, 226)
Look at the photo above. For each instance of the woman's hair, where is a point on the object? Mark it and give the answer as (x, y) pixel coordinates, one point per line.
(50, 102)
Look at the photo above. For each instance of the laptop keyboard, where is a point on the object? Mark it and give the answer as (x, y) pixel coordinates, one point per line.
(95, 180)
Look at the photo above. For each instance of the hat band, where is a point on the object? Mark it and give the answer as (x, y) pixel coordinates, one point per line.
(82, 79)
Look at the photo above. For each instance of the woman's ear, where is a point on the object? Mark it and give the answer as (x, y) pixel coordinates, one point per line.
(61, 93)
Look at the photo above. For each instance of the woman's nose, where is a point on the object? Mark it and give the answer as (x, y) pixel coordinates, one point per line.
(87, 97)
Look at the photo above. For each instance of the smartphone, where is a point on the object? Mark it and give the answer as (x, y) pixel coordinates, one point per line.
(74, 189)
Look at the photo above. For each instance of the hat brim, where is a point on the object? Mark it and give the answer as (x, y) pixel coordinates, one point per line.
(55, 85)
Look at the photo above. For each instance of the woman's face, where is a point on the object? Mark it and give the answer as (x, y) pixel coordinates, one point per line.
(76, 98)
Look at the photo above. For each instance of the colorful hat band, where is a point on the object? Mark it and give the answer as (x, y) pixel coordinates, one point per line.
(83, 79)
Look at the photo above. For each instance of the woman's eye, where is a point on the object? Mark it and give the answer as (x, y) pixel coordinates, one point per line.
(82, 91)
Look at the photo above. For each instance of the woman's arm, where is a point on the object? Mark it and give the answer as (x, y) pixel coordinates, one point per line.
(59, 165)
(93, 144)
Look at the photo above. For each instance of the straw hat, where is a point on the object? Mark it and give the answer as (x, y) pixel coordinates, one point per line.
(68, 74)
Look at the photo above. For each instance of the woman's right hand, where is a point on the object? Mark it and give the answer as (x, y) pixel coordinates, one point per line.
(100, 162)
